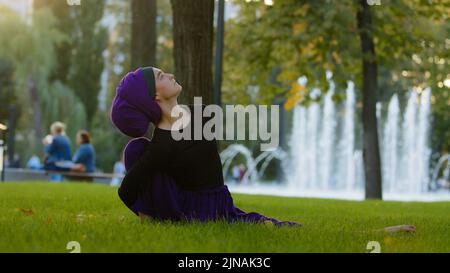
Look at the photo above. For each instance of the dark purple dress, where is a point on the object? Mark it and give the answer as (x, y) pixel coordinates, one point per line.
(182, 180)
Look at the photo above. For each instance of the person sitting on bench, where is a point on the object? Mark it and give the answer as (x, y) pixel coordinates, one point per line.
(84, 158)
(57, 148)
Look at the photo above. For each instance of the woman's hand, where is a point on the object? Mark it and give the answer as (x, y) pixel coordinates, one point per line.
(78, 168)
(47, 140)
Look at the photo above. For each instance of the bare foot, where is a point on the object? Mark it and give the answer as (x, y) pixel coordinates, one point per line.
(400, 228)
(268, 223)
(144, 217)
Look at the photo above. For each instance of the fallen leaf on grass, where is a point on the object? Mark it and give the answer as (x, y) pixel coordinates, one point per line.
(27, 212)
(401, 228)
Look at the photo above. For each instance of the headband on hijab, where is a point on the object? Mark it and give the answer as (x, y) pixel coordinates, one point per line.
(134, 105)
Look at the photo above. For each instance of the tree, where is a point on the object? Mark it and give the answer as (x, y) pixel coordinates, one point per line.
(143, 33)
(165, 36)
(7, 94)
(371, 150)
(63, 13)
(193, 51)
(293, 38)
(80, 55)
(90, 40)
(31, 49)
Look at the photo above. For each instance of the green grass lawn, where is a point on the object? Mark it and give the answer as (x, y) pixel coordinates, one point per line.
(44, 217)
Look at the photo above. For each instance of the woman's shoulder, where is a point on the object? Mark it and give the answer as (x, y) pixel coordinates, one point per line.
(91, 147)
(61, 139)
(88, 147)
(160, 141)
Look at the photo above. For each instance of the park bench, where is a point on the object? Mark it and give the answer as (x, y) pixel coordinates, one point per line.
(20, 174)
(81, 176)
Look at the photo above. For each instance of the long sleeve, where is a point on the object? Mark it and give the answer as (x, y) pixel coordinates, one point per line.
(78, 156)
(155, 158)
(51, 148)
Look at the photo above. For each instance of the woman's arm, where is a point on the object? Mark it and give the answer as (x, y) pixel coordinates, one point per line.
(78, 168)
(155, 158)
(77, 156)
(51, 148)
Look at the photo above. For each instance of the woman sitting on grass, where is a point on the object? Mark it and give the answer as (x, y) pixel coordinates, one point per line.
(168, 179)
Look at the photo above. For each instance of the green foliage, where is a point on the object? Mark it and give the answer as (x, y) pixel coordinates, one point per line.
(30, 48)
(164, 46)
(118, 56)
(80, 56)
(292, 38)
(107, 141)
(7, 96)
(55, 102)
(63, 50)
(89, 39)
(271, 46)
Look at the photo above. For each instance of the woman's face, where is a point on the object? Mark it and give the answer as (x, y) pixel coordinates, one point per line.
(79, 140)
(166, 86)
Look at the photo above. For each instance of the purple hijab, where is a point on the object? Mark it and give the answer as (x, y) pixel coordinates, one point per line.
(134, 106)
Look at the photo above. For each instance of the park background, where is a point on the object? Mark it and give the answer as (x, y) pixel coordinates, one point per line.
(62, 60)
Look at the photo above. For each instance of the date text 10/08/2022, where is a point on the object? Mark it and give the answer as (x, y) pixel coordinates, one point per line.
(225, 263)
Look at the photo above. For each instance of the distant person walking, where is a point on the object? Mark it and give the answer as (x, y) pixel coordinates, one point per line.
(236, 173)
(119, 172)
(242, 171)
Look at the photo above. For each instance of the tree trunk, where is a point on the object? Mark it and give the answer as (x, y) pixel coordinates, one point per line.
(143, 33)
(10, 139)
(371, 150)
(61, 10)
(193, 48)
(37, 113)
